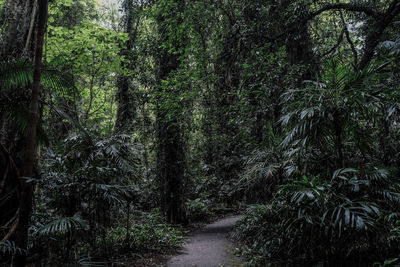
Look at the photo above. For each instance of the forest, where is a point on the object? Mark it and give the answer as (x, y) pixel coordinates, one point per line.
(126, 124)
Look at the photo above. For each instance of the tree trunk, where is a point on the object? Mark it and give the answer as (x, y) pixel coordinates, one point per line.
(228, 73)
(126, 112)
(31, 27)
(15, 6)
(171, 161)
(338, 128)
(27, 171)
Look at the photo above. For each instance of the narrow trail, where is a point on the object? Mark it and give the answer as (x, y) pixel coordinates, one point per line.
(208, 247)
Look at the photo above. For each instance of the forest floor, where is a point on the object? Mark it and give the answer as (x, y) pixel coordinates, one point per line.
(208, 246)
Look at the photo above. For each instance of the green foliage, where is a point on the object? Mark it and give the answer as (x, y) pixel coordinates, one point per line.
(62, 226)
(249, 95)
(387, 262)
(198, 210)
(147, 233)
(328, 120)
(9, 248)
(88, 50)
(336, 221)
(19, 74)
(93, 165)
(16, 78)
(264, 170)
(91, 176)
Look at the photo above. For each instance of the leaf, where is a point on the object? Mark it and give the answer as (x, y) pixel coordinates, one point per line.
(62, 226)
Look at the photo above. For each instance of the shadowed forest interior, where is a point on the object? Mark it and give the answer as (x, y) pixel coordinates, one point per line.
(125, 123)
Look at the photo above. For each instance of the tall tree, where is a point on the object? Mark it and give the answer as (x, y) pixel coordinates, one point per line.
(227, 72)
(126, 112)
(28, 168)
(171, 160)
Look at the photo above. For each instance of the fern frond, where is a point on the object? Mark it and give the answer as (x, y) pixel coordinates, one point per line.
(15, 74)
(9, 248)
(19, 74)
(62, 226)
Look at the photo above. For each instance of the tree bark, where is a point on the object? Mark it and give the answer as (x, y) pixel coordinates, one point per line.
(228, 81)
(171, 162)
(31, 27)
(378, 28)
(27, 171)
(16, 9)
(126, 112)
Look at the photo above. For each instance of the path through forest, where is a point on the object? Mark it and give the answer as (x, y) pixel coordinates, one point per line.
(208, 247)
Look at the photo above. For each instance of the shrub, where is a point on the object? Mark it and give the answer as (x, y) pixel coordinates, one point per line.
(149, 233)
(197, 210)
(346, 221)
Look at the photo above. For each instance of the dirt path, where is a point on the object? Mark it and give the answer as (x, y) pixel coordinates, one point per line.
(208, 247)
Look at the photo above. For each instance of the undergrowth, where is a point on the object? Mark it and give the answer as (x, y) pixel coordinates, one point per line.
(347, 220)
(148, 233)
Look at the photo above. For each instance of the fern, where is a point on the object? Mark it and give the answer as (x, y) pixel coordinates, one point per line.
(19, 74)
(15, 79)
(9, 248)
(15, 74)
(62, 226)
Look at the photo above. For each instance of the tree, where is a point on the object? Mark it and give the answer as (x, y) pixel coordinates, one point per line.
(29, 157)
(127, 104)
(259, 101)
(169, 132)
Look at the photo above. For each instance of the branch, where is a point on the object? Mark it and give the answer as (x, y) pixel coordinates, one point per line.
(349, 7)
(338, 6)
(11, 161)
(382, 21)
(12, 219)
(374, 38)
(335, 46)
(12, 230)
(3, 182)
(352, 46)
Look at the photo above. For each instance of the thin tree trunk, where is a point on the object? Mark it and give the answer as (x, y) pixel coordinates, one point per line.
(337, 123)
(25, 18)
(27, 188)
(128, 209)
(31, 27)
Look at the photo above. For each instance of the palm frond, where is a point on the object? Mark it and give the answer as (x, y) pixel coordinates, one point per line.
(9, 248)
(62, 226)
(15, 74)
(351, 215)
(19, 74)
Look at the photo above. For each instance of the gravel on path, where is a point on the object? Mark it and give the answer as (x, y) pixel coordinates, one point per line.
(208, 247)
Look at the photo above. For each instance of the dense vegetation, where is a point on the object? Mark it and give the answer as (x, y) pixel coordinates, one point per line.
(122, 121)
